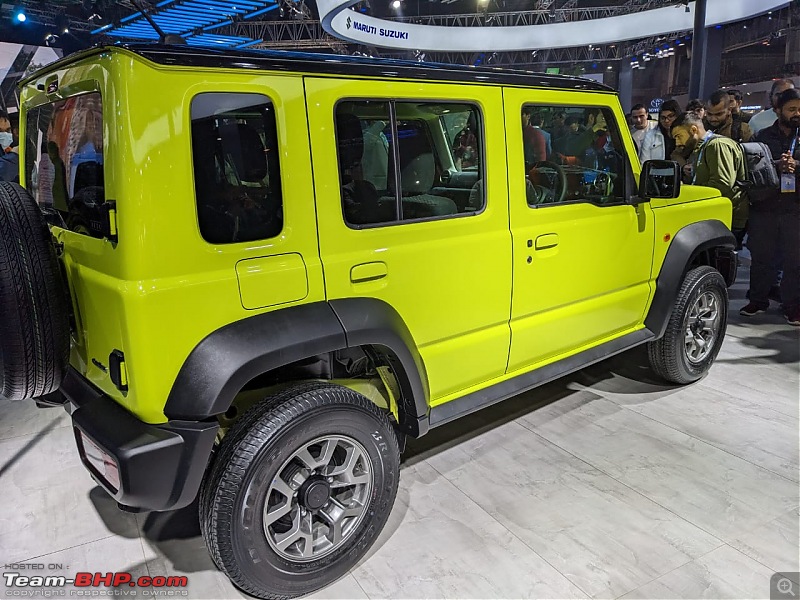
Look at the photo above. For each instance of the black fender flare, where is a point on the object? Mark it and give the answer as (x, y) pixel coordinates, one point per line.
(226, 359)
(687, 244)
(369, 321)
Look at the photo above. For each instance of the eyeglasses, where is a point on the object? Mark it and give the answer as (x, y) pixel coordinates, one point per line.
(667, 116)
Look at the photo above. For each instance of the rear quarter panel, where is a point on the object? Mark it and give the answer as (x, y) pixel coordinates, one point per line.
(158, 291)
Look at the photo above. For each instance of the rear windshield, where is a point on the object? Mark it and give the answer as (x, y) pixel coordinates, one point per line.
(64, 161)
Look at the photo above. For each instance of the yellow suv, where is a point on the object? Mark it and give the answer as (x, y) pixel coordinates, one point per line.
(249, 276)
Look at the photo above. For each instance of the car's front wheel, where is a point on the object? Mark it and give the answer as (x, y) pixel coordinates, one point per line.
(695, 330)
(300, 489)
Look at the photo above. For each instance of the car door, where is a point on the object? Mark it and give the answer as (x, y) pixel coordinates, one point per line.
(390, 229)
(582, 255)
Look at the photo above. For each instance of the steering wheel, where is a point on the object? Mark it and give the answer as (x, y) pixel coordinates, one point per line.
(561, 189)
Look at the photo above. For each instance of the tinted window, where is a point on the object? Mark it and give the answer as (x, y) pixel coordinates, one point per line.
(401, 161)
(64, 161)
(236, 167)
(584, 160)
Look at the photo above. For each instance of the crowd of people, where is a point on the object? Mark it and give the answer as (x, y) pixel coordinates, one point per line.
(706, 140)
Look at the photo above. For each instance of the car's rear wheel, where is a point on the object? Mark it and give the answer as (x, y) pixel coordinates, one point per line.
(696, 328)
(300, 489)
(34, 318)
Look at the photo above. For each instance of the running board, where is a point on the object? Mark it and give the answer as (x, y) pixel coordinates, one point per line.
(493, 394)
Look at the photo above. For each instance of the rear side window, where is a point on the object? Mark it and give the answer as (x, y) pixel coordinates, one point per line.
(64, 161)
(406, 160)
(236, 167)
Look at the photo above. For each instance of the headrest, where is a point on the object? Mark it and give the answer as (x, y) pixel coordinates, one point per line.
(418, 174)
(476, 194)
(244, 146)
(350, 140)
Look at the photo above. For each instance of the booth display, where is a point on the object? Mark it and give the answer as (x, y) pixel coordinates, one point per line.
(280, 355)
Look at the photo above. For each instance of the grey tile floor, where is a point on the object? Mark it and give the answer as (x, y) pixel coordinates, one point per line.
(605, 484)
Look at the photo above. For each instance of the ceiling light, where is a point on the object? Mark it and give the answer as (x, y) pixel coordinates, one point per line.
(396, 4)
(62, 23)
(19, 15)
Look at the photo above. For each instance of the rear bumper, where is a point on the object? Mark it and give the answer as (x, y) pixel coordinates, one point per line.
(160, 467)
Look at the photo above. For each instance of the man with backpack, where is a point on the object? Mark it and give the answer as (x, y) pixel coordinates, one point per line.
(715, 161)
(721, 120)
(775, 216)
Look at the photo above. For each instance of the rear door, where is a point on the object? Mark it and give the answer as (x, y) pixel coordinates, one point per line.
(412, 209)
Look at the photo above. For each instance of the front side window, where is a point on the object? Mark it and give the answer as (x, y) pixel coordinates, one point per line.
(406, 160)
(64, 162)
(236, 167)
(580, 161)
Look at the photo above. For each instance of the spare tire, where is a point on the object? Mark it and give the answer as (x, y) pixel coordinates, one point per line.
(34, 317)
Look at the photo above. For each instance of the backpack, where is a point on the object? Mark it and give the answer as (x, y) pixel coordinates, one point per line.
(760, 171)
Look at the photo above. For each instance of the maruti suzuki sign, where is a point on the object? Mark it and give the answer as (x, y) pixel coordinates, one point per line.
(379, 31)
(339, 20)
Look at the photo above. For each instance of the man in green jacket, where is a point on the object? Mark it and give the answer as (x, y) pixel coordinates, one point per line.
(715, 161)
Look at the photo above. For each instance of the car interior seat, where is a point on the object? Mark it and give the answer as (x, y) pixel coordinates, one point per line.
(242, 145)
(417, 179)
(361, 199)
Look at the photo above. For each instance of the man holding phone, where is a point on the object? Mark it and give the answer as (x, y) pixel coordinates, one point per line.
(775, 218)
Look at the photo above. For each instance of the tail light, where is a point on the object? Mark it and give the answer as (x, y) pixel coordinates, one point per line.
(100, 462)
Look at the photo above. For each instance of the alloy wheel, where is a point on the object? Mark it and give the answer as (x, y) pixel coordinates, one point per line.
(318, 498)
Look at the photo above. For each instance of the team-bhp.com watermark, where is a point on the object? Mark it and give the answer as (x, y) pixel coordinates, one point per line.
(29, 584)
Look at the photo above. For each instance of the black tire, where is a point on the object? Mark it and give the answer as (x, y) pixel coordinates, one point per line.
(253, 456)
(34, 317)
(669, 356)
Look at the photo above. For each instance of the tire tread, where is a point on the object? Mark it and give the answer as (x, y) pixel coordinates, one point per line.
(34, 325)
(239, 450)
(665, 353)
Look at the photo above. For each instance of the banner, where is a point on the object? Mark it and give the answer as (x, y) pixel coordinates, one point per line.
(338, 20)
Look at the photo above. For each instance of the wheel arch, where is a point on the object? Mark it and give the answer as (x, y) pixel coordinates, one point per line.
(226, 360)
(696, 243)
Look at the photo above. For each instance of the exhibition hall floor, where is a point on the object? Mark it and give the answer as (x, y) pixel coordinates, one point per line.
(604, 484)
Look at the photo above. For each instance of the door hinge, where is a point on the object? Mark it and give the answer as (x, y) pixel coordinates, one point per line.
(117, 370)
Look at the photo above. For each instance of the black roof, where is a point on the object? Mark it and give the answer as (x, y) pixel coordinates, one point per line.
(335, 64)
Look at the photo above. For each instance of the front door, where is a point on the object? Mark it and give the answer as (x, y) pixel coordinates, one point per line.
(582, 256)
(412, 206)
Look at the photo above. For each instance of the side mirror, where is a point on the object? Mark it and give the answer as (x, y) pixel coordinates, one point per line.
(660, 179)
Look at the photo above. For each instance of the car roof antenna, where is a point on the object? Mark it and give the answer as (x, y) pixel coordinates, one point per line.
(163, 38)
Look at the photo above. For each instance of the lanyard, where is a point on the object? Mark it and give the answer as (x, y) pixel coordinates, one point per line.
(707, 137)
(794, 142)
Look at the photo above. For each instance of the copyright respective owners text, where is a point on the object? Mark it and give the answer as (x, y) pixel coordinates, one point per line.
(47, 580)
(784, 586)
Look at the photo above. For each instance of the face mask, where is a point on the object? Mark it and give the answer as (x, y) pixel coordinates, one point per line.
(5, 139)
